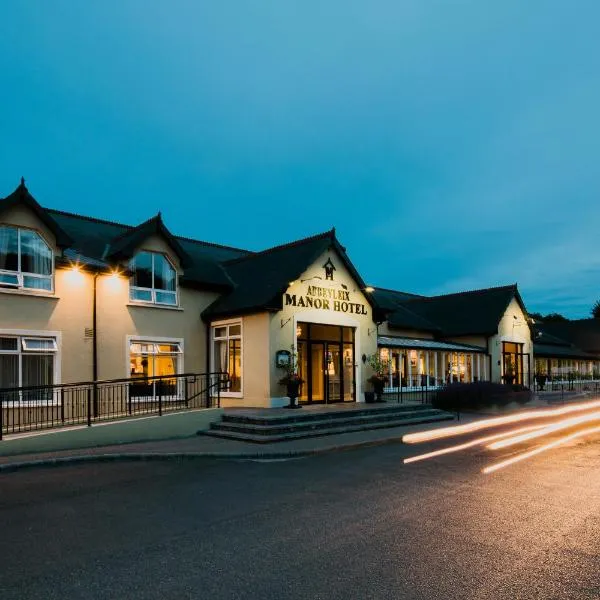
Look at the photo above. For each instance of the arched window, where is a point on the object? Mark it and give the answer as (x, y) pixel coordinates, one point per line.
(25, 260)
(153, 279)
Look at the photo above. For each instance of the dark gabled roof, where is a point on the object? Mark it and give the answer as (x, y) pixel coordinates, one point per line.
(92, 245)
(392, 303)
(21, 196)
(125, 244)
(476, 312)
(582, 333)
(261, 279)
(561, 351)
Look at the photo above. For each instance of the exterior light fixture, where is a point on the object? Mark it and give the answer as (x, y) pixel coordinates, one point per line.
(292, 283)
(113, 281)
(74, 276)
(369, 289)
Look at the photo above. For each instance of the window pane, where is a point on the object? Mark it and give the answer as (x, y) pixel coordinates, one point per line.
(141, 266)
(141, 348)
(235, 330)
(169, 348)
(11, 280)
(9, 370)
(164, 274)
(166, 365)
(37, 283)
(220, 332)
(166, 298)
(220, 356)
(9, 260)
(141, 295)
(38, 369)
(8, 344)
(39, 344)
(140, 365)
(36, 257)
(235, 365)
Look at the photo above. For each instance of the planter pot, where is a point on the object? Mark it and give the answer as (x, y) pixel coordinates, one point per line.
(370, 397)
(378, 389)
(293, 391)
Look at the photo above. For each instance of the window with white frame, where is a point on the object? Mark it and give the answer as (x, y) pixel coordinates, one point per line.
(227, 353)
(154, 359)
(153, 279)
(25, 260)
(27, 361)
(149, 359)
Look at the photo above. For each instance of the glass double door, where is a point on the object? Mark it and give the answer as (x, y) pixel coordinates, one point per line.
(326, 376)
(326, 365)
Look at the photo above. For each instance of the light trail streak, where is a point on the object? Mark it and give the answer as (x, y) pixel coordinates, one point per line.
(470, 444)
(564, 424)
(539, 450)
(436, 434)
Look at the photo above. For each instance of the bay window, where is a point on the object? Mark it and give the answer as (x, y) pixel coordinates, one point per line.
(153, 279)
(25, 260)
(227, 353)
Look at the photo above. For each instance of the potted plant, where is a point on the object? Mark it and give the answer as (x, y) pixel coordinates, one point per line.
(540, 378)
(380, 374)
(292, 380)
(509, 373)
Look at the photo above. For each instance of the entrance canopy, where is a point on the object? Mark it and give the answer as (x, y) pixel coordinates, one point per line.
(385, 341)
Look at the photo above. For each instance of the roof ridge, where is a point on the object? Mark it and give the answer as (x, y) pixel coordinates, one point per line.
(378, 287)
(130, 227)
(87, 218)
(466, 292)
(330, 233)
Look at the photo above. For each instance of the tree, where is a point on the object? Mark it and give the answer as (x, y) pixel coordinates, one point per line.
(596, 310)
(554, 317)
(549, 318)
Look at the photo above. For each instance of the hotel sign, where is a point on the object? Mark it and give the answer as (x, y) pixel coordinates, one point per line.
(326, 299)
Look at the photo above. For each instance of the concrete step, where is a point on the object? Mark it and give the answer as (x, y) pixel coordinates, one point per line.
(273, 428)
(335, 430)
(305, 416)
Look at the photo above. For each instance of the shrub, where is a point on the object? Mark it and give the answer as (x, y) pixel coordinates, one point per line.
(469, 396)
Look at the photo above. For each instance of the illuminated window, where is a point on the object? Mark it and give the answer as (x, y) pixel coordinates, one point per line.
(153, 279)
(227, 353)
(25, 260)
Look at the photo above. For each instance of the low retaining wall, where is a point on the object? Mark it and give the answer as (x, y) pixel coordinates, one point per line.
(143, 429)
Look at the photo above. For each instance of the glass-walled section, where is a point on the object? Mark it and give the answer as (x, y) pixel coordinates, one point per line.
(417, 368)
(567, 369)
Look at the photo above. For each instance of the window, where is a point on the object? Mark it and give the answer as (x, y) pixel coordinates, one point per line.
(27, 361)
(154, 359)
(153, 279)
(227, 353)
(25, 260)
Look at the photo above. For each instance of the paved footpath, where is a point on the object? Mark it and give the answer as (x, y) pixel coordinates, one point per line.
(199, 446)
(211, 447)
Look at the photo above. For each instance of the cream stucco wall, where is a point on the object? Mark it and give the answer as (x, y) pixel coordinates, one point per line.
(513, 327)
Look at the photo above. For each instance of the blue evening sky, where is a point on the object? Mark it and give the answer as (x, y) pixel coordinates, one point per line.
(453, 144)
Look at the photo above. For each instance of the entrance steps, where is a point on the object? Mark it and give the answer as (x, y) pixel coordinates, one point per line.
(279, 425)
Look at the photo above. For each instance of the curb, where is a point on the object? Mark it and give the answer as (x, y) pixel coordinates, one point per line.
(182, 456)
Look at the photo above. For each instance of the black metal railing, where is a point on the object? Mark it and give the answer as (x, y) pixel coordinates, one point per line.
(84, 403)
(567, 385)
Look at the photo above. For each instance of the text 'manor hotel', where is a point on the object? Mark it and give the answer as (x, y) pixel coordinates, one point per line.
(84, 299)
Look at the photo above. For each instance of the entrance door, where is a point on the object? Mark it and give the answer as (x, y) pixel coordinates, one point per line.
(326, 363)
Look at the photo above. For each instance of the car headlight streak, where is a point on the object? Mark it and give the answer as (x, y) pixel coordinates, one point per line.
(511, 437)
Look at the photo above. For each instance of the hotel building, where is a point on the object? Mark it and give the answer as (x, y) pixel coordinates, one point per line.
(82, 299)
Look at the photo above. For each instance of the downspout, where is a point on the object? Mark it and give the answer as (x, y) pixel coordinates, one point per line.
(95, 342)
